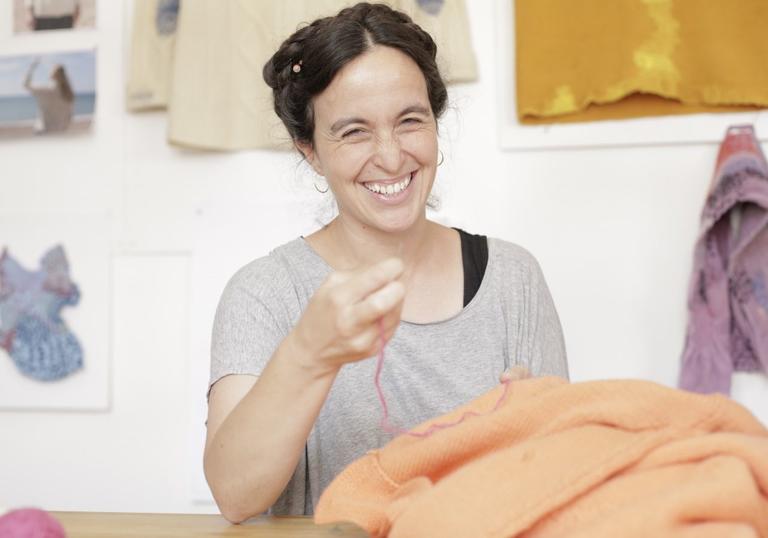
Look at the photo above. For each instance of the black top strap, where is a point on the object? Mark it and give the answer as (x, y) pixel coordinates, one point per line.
(474, 257)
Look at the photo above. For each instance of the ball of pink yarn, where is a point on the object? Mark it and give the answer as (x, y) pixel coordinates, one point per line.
(30, 523)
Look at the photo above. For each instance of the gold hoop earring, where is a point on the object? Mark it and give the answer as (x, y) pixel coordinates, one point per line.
(442, 158)
(321, 191)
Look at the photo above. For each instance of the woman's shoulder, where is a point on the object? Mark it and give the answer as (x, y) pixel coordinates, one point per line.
(277, 274)
(513, 263)
(502, 250)
(269, 269)
(512, 254)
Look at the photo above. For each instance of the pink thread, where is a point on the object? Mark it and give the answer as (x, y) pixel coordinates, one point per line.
(389, 428)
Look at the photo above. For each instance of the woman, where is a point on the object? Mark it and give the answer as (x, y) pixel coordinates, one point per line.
(55, 102)
(292, 399)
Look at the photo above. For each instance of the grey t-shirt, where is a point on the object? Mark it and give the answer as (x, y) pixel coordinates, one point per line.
(429, 369)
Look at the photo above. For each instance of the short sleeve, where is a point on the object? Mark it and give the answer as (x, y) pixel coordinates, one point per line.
(546, 344)
(536, 337)
(249, 325)
(257, 310)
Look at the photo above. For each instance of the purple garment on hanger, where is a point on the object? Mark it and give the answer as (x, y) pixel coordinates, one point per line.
(728, 294)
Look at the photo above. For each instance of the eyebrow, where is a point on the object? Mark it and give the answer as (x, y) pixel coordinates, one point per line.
(413, 109)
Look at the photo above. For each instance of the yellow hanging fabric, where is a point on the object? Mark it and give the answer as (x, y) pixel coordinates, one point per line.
(448, 25)
(153, 37)
(584, 60)
(218, 99)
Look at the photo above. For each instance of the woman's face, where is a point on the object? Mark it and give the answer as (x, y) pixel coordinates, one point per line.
(376, 140)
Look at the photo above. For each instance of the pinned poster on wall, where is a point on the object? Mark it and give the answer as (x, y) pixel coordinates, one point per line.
(55, 300)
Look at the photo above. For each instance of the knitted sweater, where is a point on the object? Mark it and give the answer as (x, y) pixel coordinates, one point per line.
(594, 459)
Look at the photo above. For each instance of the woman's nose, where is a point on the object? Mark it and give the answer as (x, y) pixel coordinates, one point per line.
(389, 153)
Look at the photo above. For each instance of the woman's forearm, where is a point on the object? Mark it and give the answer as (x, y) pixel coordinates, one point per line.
(253, 454)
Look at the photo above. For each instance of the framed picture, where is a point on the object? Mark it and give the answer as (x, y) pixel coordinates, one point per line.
(660, 130)
(45, 15)
(55, 304)
(51, 93)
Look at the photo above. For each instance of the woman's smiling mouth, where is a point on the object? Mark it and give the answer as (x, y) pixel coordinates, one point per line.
(389, 189)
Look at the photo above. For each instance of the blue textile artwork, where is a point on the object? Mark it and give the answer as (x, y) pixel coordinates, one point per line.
(32, 331)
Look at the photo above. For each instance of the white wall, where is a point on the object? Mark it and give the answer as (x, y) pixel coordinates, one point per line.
(612, 228)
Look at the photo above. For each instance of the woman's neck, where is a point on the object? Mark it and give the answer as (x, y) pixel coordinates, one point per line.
(348, 245)
(431, 253)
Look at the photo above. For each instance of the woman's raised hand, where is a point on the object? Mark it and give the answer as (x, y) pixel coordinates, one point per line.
(345, 317)
(30, 71)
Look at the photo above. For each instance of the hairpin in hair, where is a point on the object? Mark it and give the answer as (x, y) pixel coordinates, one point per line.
(297, 66)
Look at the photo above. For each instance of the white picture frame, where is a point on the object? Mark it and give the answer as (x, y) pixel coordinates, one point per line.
(86, 239)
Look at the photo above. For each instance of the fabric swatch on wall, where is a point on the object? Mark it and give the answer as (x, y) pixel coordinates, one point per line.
(32, 331)
(448, 24)
(607, 59)
(728, 297)
(218, 99)
(152, 45)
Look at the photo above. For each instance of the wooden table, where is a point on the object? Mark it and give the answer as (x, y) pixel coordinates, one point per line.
(105, 525)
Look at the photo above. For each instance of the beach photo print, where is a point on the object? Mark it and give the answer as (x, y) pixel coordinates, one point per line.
(45, 94)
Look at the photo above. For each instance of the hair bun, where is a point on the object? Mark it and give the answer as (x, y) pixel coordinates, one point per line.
(322, 48)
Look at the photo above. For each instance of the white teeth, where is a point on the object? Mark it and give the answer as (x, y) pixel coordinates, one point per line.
(392, 188)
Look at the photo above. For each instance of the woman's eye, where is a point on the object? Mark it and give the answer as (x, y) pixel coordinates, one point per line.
(411, 120)
(351, 132)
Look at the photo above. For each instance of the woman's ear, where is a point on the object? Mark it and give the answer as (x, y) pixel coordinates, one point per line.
(309, 154)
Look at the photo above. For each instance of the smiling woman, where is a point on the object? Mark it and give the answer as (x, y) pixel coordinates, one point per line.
(292, 401)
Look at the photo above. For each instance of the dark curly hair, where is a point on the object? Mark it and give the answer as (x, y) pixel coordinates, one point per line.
(328, 44)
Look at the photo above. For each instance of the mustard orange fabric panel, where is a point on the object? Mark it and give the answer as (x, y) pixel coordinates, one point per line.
(582, 60)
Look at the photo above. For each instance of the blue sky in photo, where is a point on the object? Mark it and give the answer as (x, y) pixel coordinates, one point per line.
(80, 68)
